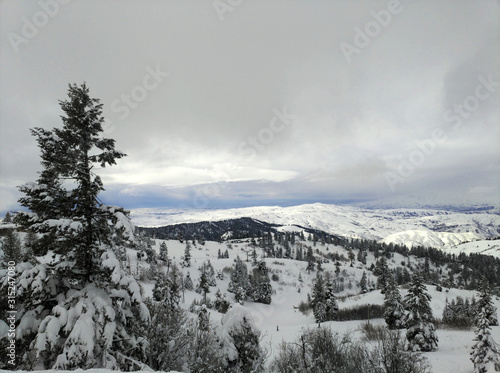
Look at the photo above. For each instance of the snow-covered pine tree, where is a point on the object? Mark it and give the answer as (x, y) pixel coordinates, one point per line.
(485, 303)
(203, 285)
(188, 282)
(221, 303)
(382, 272)
(331, 305)
(310, 260)
(7, 219)
(83, 311)
(242, 341)
(168, 335)
(168, 288)
(485, 354)
(205, 352)
(11, 247)
(163, 252)
(30, 246)
(363, 283)
(187, 255)
(419, 320)
(261, 284)
(239, 284)
(318, 303)
(394, 308)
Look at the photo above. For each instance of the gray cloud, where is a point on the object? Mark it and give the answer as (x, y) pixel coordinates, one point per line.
(353, 122)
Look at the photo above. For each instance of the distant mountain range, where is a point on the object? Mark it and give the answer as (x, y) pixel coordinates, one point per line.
(427, 227)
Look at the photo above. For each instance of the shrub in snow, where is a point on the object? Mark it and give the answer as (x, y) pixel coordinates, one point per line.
(322, 350)
(419, 320)
(389, 355)
(221, 304)
(241, 339)
(168, 336)
(205, 352)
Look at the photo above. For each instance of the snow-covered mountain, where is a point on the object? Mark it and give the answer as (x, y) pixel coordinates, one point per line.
(485, 247)
(428, 227)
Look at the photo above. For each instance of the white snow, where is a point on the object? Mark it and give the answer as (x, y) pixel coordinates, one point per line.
(349, 221)
(428, 238)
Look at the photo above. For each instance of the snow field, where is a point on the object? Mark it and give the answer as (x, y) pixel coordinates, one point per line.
(281, 321)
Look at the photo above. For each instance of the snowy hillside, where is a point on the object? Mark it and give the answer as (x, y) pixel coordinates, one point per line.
(485, 247)
(282, 321)
(349, 221)
(430, 239)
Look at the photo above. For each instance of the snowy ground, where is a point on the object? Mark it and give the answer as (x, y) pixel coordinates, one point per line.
(280, 321)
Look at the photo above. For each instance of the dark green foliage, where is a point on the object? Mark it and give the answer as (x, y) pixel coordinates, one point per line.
(460, 314)
(64, 209)
(221, 303)
(239, 284)
(394, 308)
(167, 289)
(485, 354)
(261, 289)
(11, 247)
(418, 318)
(323, 300)
(363, 284)
(361, 312)
(250, 356)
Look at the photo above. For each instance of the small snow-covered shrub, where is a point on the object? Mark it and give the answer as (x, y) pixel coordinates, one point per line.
(372, 332)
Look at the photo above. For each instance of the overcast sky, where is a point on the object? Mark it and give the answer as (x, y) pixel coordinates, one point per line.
(237, 103)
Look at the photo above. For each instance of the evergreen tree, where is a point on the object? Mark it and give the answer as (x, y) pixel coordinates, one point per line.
(221, 303)
(239, 283)
(261, 284)
(167, 289)
(351, 256)
(383, 274)
(485, 354)
(394, 308)
(187, 255)
(205, 351)
(244, 353)
(363, 283)
(188, 282)
(30, 246)
(169, 336)
(87, 282)
(419, 320)
(323, 301)
(310, 260)
(485, 303)
(163, 252)
(7, 219)
(11, 247)
(331, 305)
(203, 286)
